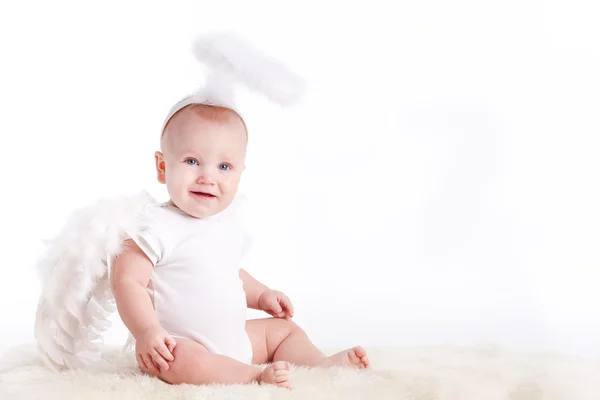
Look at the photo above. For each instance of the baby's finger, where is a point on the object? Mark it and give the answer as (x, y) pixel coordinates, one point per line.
(164, 352)
(275, 307)
(277, 314)
(141, 362)
(162, 364)
(150, 364)
(280, 314)
(287, 305)
(171, 343)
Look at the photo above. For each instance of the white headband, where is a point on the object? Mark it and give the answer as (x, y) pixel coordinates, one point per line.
(231, 60)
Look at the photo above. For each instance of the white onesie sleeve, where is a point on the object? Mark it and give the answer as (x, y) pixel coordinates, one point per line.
(147, 236)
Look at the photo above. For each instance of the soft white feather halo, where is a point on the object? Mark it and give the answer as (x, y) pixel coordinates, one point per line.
(234, 57)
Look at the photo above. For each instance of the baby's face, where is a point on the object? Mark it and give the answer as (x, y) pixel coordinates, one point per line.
(202, 162)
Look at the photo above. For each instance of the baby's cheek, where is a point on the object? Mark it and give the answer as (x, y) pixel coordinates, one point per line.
(228, 191)
(179, 178)
(231, 183)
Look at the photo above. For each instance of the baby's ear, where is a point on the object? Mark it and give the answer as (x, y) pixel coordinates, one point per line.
(160, 167)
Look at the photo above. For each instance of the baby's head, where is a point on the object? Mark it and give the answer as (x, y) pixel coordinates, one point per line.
(203, 149)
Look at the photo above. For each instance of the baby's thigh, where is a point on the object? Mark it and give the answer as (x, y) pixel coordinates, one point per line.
(266, 334)
(188, 358)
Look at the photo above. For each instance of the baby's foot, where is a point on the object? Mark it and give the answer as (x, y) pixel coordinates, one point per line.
(355, 357)
(277, 373)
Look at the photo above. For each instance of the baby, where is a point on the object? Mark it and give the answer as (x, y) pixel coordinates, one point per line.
(178, 284)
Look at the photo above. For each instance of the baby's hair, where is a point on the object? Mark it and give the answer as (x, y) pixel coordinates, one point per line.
(209, 113)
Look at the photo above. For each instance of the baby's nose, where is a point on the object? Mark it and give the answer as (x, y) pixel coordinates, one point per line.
(206, 176)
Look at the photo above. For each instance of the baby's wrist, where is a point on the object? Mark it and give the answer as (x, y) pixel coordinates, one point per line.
(143, 331)
(259, 298)
(264, 291)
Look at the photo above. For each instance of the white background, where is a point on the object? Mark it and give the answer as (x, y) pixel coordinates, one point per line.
(438, 182)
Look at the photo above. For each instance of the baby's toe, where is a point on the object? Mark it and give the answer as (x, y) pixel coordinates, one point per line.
(354, 359)
(366, 362)
(283, 381)
(358, 357)
(360, 352)
(281, 366)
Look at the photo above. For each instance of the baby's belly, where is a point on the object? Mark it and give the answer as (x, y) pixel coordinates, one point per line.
(211, 313)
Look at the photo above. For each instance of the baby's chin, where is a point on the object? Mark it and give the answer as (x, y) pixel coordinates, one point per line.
(203, 210)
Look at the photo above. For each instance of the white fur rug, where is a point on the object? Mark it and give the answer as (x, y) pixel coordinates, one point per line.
(425, 373)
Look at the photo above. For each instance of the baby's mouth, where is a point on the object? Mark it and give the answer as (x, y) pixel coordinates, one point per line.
(203, 195)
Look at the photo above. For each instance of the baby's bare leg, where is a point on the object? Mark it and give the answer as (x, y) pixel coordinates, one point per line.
(275, 339)
(195, 365)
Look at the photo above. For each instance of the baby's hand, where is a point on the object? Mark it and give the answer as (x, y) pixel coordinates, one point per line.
(276, 303)
(154, 348)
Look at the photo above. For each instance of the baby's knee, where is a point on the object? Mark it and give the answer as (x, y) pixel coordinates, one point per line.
(187, 364)
(168, 376)
(293, 326)
(287, 325)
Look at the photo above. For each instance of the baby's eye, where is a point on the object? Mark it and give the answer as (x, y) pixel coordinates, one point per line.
(224, 167)
(191, 161)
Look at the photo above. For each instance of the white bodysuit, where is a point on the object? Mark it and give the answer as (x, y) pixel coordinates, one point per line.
(195, 285)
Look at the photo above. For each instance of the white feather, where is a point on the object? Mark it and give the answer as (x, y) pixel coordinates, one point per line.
(76, 300)
(230, 57)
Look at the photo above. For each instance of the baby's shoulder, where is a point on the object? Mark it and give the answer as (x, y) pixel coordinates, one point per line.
(155, 216)
(153, 210)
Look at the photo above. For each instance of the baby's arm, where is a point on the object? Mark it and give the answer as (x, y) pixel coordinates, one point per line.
(260, 297)
(131, 273)
(253, 288)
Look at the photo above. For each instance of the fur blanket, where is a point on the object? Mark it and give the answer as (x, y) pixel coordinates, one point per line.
(425, 373)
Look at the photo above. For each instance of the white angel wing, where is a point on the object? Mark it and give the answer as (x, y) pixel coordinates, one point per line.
(76, 300)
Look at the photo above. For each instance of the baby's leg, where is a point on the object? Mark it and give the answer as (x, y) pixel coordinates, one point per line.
(276, 339)
(195, 365)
